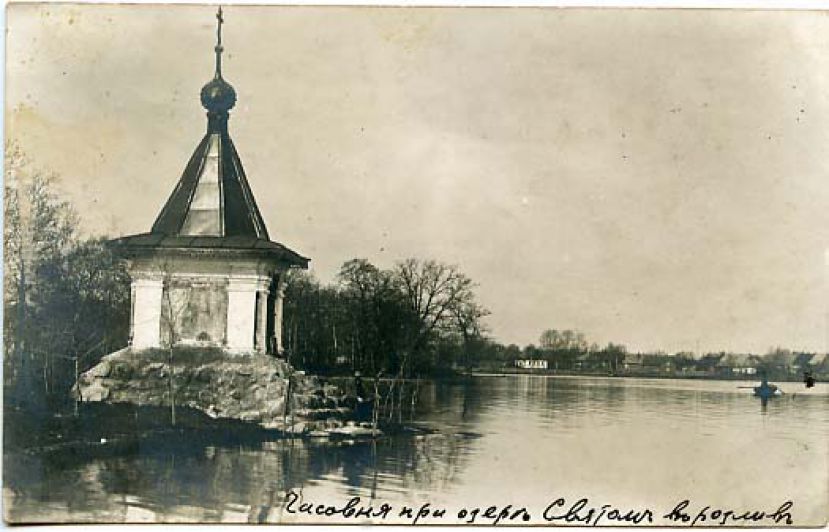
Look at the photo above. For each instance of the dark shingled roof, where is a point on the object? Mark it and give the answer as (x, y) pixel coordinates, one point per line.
(233, 204)
(212, 208)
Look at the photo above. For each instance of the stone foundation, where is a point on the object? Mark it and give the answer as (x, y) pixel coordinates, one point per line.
(251, 388)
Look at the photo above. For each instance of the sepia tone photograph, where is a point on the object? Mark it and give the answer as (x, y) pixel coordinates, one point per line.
(415, 266)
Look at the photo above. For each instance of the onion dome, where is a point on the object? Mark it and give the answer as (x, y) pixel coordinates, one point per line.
(218, 96)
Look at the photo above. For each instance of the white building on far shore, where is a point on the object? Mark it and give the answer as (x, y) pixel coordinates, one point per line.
(526, 363)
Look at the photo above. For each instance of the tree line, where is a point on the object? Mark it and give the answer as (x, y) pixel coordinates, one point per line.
(66, 300)
(570, 351)
(418, 317)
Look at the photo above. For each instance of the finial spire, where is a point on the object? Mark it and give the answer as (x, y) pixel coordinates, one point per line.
(218, 48)
(218, 96)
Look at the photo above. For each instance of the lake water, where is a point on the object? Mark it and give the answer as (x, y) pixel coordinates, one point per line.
(634, 444)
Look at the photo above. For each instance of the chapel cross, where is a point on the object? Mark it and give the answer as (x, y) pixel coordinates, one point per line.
(219, 48)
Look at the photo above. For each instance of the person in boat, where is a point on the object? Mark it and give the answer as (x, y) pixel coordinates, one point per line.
(765, 389)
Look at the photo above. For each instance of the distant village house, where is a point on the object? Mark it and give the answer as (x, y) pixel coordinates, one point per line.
(526, 363)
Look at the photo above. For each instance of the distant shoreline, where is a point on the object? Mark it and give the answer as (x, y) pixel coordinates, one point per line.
(573, 374)
(460, 374)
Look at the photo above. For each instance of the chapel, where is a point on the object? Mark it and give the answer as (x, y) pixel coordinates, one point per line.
(208, 273)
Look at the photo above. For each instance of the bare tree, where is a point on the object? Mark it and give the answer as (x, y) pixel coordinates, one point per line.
(432, 291)
(175, 298)
(38, 228)
(468, 314)
(554, 340)
(373, 304)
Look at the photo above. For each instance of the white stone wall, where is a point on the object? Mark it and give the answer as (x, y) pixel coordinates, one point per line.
(241, 313)
(146, 319)
(246, 315)
(277, 314)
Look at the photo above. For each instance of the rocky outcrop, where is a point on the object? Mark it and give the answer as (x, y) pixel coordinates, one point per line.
(252, 388)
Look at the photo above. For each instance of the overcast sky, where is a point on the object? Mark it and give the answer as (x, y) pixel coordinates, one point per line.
(655, 178)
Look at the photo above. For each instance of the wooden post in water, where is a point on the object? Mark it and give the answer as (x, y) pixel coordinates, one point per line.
(78, 386)
(375, 412)
(400, 396)
(414, 399)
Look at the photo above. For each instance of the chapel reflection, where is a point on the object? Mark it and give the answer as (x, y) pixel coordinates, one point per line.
(243, 483)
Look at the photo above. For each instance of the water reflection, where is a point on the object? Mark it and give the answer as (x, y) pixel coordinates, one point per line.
(221, 484)
(512, 439)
